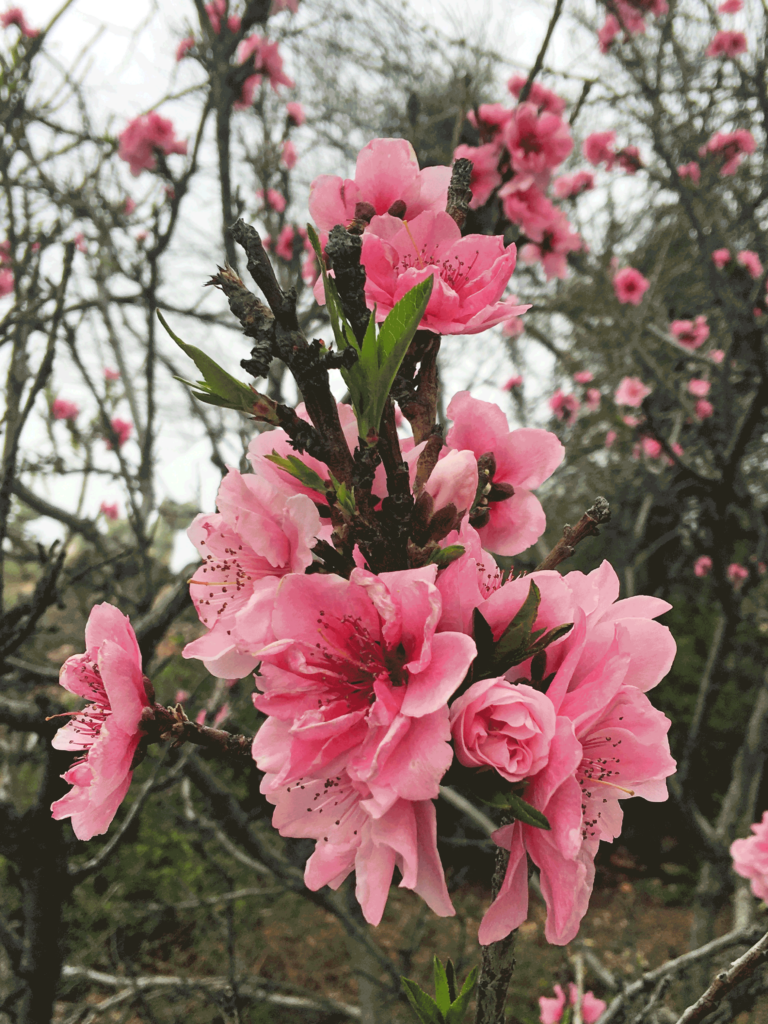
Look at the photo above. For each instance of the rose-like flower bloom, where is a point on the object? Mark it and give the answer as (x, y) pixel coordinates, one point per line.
(356, 685)
(690, 170)
(272, 199)
(509, 727)
(485, 170)
(387, 177)
(717, 356)
(727, 44)
(720, 257)
(513, 382)
(593, 399)
(704, 409)
(702, 566)
(470, 274)
(598, 149)
(15, 16)
(184, 47)
(551, 1010)
(568, 186)
(123, 429)
(257, 536)
(539, 95)
(61, 409)
(536, 142)
(751, 262)
(110, 511)
(583, 377)
(698, 387)
(289, 156)
(609, 742)
(750, 857)
(522, 460)
(730, 7)
(730, 147)
(107, 731)
(736, 574)
(631, 391)
(565, 407)
(690, 333)
(139, 140)
(295, 113)
(7, 283)
(611, 28)
(630, 286)
(266, 61)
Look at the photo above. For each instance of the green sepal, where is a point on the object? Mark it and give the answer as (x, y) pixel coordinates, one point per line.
(425, 1007)
(443, 557)
(298, 469)
(344, 495)
(515, 807)
(459, 1006)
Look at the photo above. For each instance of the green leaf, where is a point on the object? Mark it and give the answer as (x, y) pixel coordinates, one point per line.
(344, 495)
(516, 637)
(459, 1006)
(520, 809)
(299, 470)
(483, 635)
(425, 1007)
(450, 972)
(442, 992)
(444, 556)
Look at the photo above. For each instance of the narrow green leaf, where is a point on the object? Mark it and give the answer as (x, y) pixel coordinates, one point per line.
(344, 338)
(554, 634)
(450, 973)
(218, 380)
(520, 809)
(516, 636)
(425, 1007)
(444, 556)
(442, 992)
(299, 470)
(459, 1007)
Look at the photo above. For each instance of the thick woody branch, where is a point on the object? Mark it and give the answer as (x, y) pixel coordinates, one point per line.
(84, 527)
(725, 982)
(344, 250)
(282, 304)
(459, 193)
(171, 724)
(587, 526)
(497, 962)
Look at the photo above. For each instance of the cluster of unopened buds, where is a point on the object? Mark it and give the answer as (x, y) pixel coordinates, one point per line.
(352, 571)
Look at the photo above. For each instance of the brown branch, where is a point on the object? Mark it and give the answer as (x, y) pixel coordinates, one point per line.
(725, 982)
(497, 962)
(539, 62)
(587, 526)
(459, 192)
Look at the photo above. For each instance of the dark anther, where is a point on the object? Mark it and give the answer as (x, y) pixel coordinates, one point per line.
(500, 491)
(397, 209)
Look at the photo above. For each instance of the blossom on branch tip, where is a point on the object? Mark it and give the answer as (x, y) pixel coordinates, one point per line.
(720, 257)
(272, 199)
(267, 61)
(111, 375)
(698, 387)
(539, 95)
(513, 382)
(717, 356)
(568, 186)
(15, 16)
(730, 147)
(630, 286)
(288, 155)
(61, 409)
(736, 574)
(110, 511)
(565, 407)
(536, 142)
(387, 178)
(750, 857)
(123, 429)
(631, 391)
(702, 566)
(704, 409)
(295, 113)
(107, 731)
(184, 47)
(598, 149)
(551, 1010)
(727, 44)
(751, 262)
(690, 333)
(142, 136)
(606, 35)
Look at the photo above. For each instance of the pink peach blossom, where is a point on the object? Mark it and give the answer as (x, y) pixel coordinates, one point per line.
(61, 409)
(730, 147)
(583, 377)
(185, 45)
(145, 134)
(704, 409)
(698, 387)
(551, 1010)
(690, 333)
(111, 375)
(267, 61)
(257, 536)
(453, 481)
(295, 113)
(730, 7)
(629, 160)
(129, 206)
(123, 429)
(289, 156)
(272, 200)
(539, 95)
(630, 286)
(702, 566)
(593, 398)
(690, 170)
(505, 726)
(485, 170)
(387, 177)
(598, 149)
(536, 142)
(750, 857)
(606, 35)
(551, 244)
(524, 459)
(737, 574)
(727, 44)
(110, 511)
(717, 356)
(602, 668)
(7, 283)
(490, 120)
(630, 421)
(565, 407)
(513, 382)
(107, 731)
(568, 186)
(512, 328)
(751, 262)
(651, 447)
(470, 274)
(526, 205)
(610, 437)
(285, 241)
(216, 11)
(631, 391)
(284, 5)
(720, 257)
(15, 16)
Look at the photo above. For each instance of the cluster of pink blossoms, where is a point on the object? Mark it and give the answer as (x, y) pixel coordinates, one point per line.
(373, 684)
(144, 137)
(629, 16)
